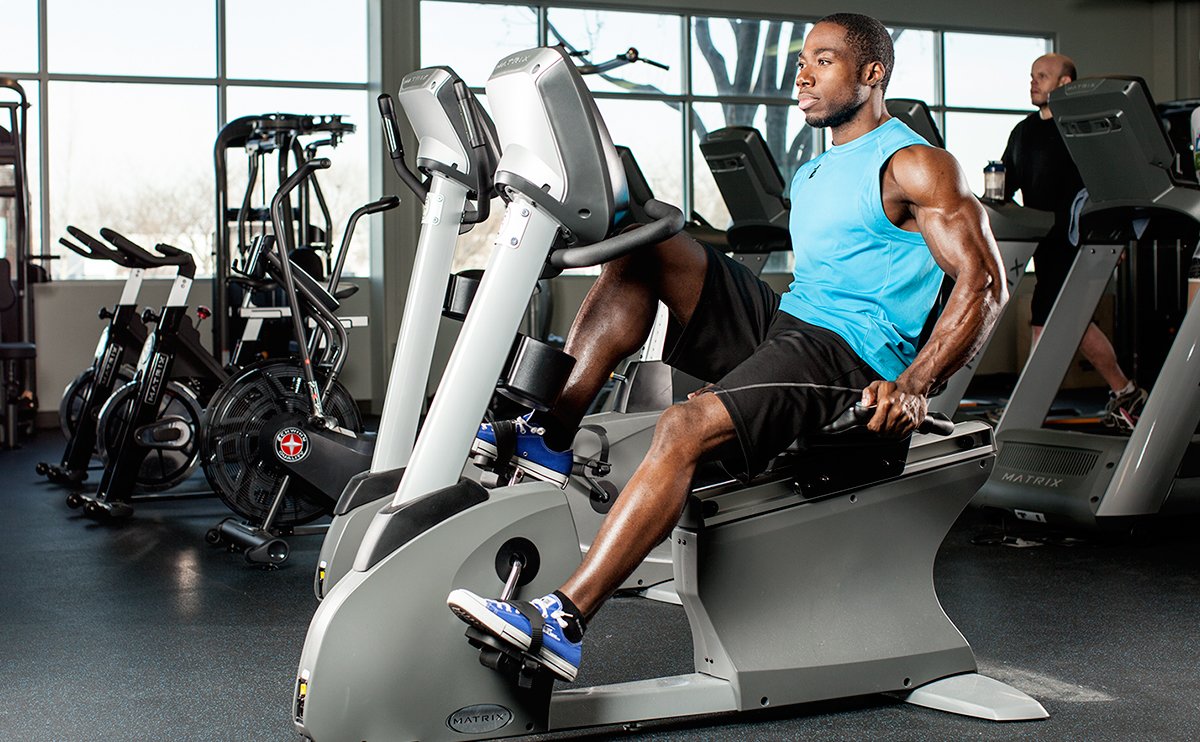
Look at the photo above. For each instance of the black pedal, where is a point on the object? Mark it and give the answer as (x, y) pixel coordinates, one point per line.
(521, 667)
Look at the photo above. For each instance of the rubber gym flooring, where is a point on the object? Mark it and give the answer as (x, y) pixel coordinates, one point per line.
(142, 632)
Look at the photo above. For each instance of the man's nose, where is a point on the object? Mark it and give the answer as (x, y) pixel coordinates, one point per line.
(803, 78)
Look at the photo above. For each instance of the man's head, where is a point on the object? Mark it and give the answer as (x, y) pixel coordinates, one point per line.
(1049, 71)
(846, 59)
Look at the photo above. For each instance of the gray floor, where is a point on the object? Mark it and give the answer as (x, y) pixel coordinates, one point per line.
(142, 632)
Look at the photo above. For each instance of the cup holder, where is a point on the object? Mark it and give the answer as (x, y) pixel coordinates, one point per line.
(535, 373)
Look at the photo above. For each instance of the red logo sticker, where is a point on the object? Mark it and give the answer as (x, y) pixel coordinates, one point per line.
(291, 445)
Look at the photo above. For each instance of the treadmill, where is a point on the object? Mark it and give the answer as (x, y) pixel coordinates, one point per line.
(1136, 190)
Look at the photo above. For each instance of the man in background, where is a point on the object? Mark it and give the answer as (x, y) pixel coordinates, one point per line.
(1037, 163)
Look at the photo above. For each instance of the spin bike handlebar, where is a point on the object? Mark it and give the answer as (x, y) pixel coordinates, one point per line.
(668, 221)
(391, 134)
(857, 416)
(167, 256)
(94, 249)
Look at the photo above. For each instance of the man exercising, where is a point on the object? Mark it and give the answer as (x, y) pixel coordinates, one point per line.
(1037, 163)
(875, 221)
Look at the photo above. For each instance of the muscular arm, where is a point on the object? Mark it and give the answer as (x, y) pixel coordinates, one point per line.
(926, 189)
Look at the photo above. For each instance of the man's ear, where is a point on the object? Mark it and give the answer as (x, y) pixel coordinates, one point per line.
(1063, 80)
(873, 73)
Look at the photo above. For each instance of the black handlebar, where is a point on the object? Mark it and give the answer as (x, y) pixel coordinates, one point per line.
(858, 416)
(630, 56)
(183, 261)
(391, 133)
(469, 110)
(668, 221)
(94, 249)
(382, 204)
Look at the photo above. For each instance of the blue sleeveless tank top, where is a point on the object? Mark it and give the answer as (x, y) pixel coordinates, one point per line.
(858, 274)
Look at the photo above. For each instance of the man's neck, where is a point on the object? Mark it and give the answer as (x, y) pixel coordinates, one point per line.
(1044, 112)
(871, 116)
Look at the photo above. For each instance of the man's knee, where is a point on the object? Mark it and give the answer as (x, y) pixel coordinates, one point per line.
(678, 254)
(689, 429)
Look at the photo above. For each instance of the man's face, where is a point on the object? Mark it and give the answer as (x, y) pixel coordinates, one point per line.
(828, 78)
(1045, 75)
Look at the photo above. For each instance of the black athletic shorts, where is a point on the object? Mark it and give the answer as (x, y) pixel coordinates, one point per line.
(769, 368)
(1052, 260)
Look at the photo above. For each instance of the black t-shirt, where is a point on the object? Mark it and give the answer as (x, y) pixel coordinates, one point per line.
(1036, 161)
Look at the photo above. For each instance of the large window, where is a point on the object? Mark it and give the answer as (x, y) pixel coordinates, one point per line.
(728, 71)
(131, 96)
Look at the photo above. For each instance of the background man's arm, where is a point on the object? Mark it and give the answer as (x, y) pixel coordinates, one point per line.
(1012, 169)
(956, 229)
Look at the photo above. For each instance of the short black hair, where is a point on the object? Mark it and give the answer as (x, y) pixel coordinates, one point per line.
(1069, 69)
(870, 40)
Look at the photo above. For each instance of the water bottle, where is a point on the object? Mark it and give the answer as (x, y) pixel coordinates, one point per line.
(993, 181)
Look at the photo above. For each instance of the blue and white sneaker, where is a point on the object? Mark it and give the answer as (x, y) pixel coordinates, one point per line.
(505, 620)
(532, 455)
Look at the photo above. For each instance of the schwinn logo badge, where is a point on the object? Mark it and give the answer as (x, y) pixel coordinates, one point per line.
(291, 445)
(479, 719)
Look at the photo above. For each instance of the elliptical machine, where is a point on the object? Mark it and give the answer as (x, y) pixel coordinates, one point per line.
(845, 513)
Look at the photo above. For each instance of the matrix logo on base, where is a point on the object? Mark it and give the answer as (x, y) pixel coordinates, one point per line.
(291, 445)
(479, 719)
(1032, 480)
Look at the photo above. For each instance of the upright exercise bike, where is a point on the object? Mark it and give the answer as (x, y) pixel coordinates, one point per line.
(433, 112)
(859, 615)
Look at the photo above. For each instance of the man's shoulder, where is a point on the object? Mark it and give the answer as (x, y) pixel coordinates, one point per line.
(921, 170)
(1028, 123)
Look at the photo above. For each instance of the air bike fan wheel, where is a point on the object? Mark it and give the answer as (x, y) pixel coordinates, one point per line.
(233, 460)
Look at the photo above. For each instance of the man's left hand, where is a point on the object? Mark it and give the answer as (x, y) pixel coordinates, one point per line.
(897, 412)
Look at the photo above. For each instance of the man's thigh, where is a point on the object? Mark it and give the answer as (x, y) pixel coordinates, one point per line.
(1053, 260)
(730, 319)
(796, 382)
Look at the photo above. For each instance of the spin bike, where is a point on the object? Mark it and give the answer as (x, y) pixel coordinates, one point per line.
(279, 443)
(116, 352)
(870, 622)
(154, 417)
(111, 368)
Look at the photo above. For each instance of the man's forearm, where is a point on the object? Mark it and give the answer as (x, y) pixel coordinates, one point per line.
(965, 325)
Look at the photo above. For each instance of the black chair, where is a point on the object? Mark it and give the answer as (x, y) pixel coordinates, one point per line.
(15, 361)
